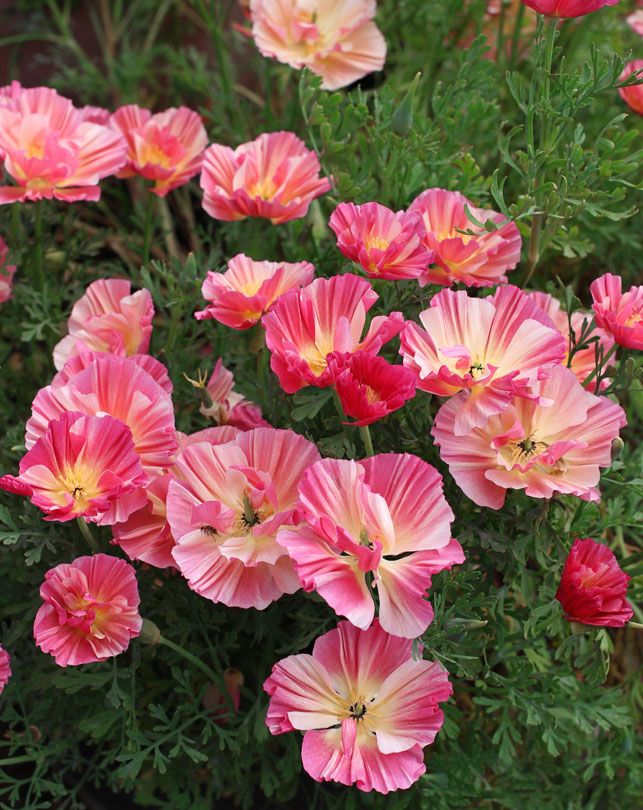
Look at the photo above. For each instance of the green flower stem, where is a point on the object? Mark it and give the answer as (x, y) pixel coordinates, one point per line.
(39, 249)
(635, 625)
(365, 434)
(205, 669)
(147, 234)
(87, 534)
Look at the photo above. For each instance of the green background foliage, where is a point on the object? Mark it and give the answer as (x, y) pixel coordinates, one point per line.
(543, 715)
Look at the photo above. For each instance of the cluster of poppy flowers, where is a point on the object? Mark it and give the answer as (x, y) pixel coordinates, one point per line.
(247, 512)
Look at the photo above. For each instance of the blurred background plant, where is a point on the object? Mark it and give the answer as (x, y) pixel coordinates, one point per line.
(542, 713)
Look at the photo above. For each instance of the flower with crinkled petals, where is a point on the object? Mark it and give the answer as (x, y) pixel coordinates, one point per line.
(5, 668)
(166, 147)
(275, 176)
(491, 348)
(558, 446)
(464, 252)
(305, 326)
(7, 272)
(225, 505)
(619, 313)
(568, 8)
(224, 405)
(369, 388)
(240, 296)
(384, 518)
(108, 318)
(89, 611)
(593, 587)
(366, 704)
(384, 243)
(51, 152)
(337, 40)
(633, 94)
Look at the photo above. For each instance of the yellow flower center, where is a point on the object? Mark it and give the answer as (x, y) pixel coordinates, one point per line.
(376, 242)
(79, 481)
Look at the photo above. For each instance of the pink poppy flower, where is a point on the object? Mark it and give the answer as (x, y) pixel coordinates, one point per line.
(225, 505)
(7, 272)
(385, 516)
(225, 406)
(108, 318)
(492, 348)
(84, 466)
(89, 611)
(384, 243)
(635, 21)
(593, 587)
(369, 388)
(120, 387)
(95, 115)
(584, 360)
(336, 40)
(464, 252)
(275, 177)
(618, 313)
(632, 95)
(51, 152)
(305, 326)
(366, 704)
(166, 148)
(567, 8)
(240, 296)
(541, 448)
(5, 668)
(79, 362)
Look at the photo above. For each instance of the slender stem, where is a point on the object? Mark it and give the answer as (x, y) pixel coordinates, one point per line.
(189, 657)
(39, 252)
(596, 370)
(87, 534)
(171, 244)
(636, 625)
(365, 434)
(534, 247)
(147, 236)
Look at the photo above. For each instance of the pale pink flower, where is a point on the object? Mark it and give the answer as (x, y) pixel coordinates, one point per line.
(78, 362)
(166, 148)
(275, 176)
(635, 21)
(240, 296)
(225, 406)
(108, 318)
(5, 668)
(632, 95)
(385, 516)
(120, 387)
(366, 704)
(492, 348)
(225, 505)
(95, 115)
(84, 466)
(543, 449)
(584, 360)
(89, 611)
(329, 315)
(619, 313)
(7, 272)
(52, 152)
(464, 252)
(336, 39)
(9, 93)
(384, 243)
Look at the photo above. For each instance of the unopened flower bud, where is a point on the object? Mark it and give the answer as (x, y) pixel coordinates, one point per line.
(150, 634)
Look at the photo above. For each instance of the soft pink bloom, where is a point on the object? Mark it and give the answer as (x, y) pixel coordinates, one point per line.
(5, 668)
(225, 505)
(618, 313)
(336, 39)
(385, 516)
(84, 466)
(632, 95)
(635, 21)
(366, 704)
(7, 272)
(225, 406)
(9, 93)
(275, 176)
(464, 252)
(95, 115)
(541, 448)
(492, 348)
(78, 362)
(386, 244)
(52, 152)
(584, 360)
(89, 611)
(369, 388)
(240, 296)
(329, 315)
(593, 587)
(120, 387)
(221, 434)
(166, 148)
(568, 8)
(108, 318)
